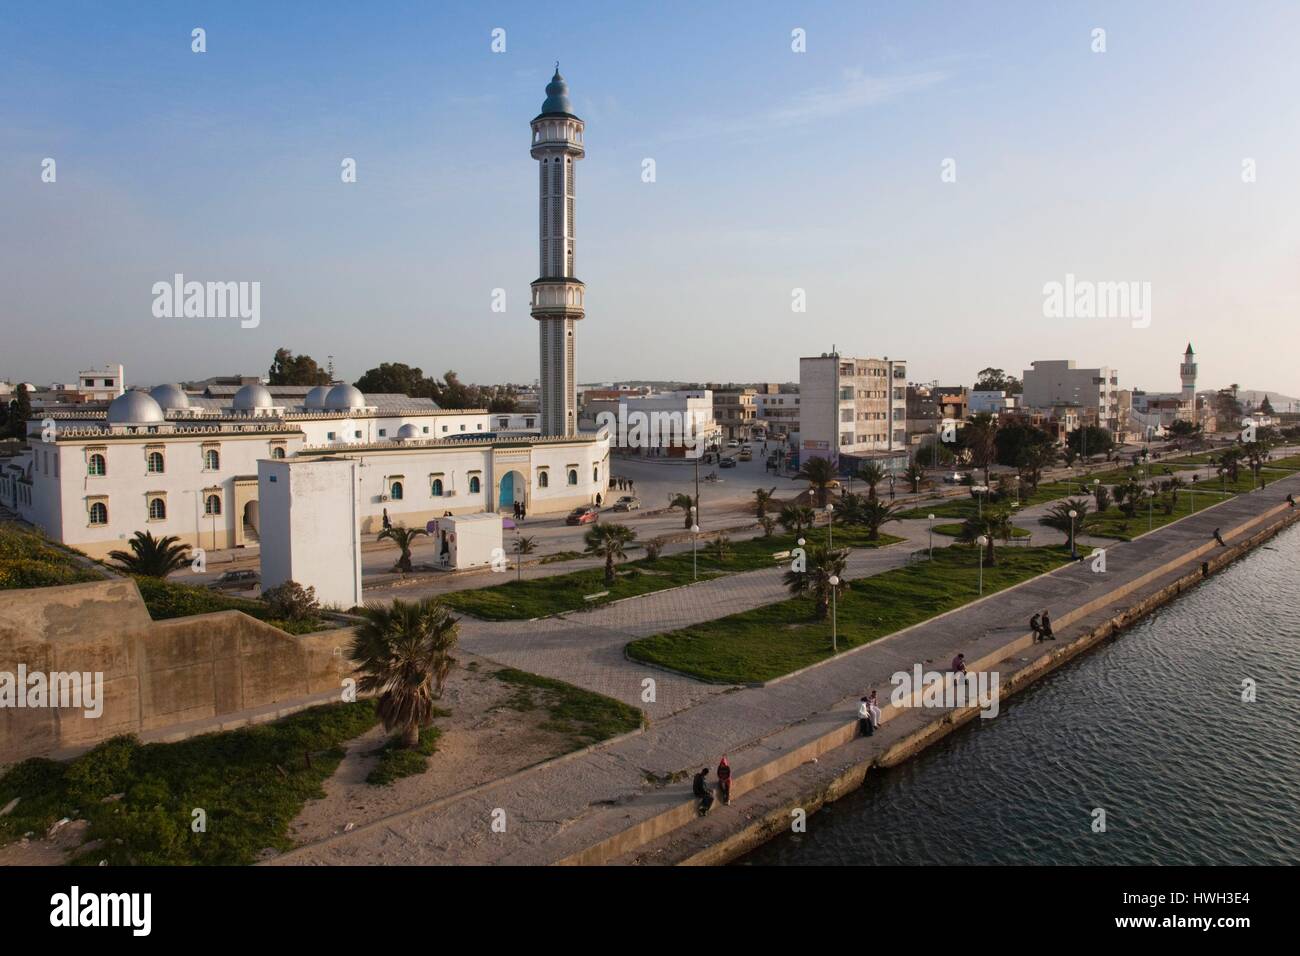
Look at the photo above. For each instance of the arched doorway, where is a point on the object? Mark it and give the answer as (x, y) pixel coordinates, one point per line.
(251, 521)
(513, 488)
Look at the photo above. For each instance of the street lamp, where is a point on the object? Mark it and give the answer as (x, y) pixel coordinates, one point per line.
(1223, 485)
(891, 486)
(1073, 514)
(931, 537)
(830, 526)
(1151, 499)
(695, 538)
(834, 582)
(979, 496)
(982, 542)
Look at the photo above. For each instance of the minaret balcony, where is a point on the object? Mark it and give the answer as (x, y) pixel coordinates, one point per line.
(559, 296)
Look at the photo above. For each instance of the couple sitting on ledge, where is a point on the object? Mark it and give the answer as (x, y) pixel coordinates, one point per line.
(1041, 625)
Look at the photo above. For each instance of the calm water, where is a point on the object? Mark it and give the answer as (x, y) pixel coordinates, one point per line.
(1150, 727)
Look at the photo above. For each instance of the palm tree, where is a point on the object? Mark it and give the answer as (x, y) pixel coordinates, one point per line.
(524, 544)
(762, 498)
(871, 474)
(608, 541)
(685, 502)
(874, 513)
(1058, 516)
(402, 536)
(794, 518)
(819, 473)
(722, 547)
(979, 437)
(152, 557)
(994, 523)
(1030, 464)
(914, 475)
(403, 653)
(822, 565)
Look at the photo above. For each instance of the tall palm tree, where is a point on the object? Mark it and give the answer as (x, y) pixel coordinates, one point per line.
(979, 438)
(873, 514)
(762, 498)
(995, 523)
(871, 474)
(403, 653)
(685, 502)
(152, 557)
(609, 541)
(524, 544)
(819, 473)
(794, 518)
(914, 475)
(1030, 464)
(822, 565)
(402, 536)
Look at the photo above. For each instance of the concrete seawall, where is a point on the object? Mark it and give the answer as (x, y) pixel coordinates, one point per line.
(804, 780)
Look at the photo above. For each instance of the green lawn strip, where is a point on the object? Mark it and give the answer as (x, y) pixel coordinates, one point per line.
(169, 599)
(539, 597)
(250, 783)
(583, 716)
(954, 529)
(776, 639)
(396, 762)
(1112, 523)
(29, 560)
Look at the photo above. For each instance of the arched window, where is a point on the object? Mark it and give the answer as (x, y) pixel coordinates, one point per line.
(277, 452)
(573, 476)
(595, 474)
(395, 491)
(212, 460)
(155, 463)
(475, 485)
(543, 479)
(437, 488)
(157, 509)
(99, 513)
(96, 465)
(212, 505)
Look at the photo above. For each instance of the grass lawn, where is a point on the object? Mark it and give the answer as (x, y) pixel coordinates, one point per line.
(395, 762)
(29, 560)
(583, 716)
(250, 783)
(168, 599)
(1112, 524)
(954, 529)
(520, 600)
(766, 642)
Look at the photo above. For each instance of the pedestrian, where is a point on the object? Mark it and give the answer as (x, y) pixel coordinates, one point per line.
(865, 727)
(1290, 499)
(700, 788)
(631, 486)
(1036, 627)
(873, 705)
(1045, 628)
(1219, 538)
(387, 524)
(959, 664)
(523, 511)
(724, 780)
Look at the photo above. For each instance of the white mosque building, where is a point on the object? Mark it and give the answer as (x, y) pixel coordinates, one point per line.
(175, 463)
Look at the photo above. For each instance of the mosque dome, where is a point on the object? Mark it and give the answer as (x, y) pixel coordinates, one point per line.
(557, 95)
(134, 408)
(342, 398)
(253, 396)
(169, 396)
(316, 397)
(407, 432)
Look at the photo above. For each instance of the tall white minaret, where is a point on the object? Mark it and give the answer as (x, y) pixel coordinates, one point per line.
(557, 293)
(1187, 371)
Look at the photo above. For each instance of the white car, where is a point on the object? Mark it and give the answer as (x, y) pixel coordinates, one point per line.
(733, 443)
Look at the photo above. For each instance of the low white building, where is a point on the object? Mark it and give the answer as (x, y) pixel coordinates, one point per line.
(177, 465)
(991, 402)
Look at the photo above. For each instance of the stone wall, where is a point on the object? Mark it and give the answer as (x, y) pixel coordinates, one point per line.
(155, 673)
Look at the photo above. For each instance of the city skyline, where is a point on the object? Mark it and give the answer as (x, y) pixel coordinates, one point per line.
(200, 175)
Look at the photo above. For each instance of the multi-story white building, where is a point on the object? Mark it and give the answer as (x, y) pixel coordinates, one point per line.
(776, 411)
(991, 402)
(1059, 383)
(854, 408)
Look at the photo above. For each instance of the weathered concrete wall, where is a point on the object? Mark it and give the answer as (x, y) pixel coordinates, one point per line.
(155, 673)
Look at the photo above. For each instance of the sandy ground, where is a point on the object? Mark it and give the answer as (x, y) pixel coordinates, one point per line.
(482, 740)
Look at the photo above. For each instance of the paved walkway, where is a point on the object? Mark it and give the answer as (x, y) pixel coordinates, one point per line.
(559, 809)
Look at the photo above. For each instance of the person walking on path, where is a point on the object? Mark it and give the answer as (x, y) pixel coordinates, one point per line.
(387, 524)
(865, 726)
(1045, 628)
(700, 788)
(724, 780)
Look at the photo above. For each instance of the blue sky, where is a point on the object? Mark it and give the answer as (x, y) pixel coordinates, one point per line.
(775, 171)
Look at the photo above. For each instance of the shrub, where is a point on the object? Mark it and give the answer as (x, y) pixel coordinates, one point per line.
(290, 601)
(653, 549)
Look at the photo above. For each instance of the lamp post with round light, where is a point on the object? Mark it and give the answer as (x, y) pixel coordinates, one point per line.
(980, 491)
(695, 538)
(834, 582)
(931, 518)
(1151, 501)
(981, 542)
(1073, 514)
(830, 526)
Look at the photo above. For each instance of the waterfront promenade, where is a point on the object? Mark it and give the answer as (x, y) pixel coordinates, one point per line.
(619, 796)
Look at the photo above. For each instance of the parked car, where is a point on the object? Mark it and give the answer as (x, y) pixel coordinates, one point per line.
(237, 580)
(734, 443)
(584, 515)
(727, 463)
(956, 478)
(627, 503)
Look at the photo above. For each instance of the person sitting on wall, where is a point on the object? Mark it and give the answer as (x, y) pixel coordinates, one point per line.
(701, 790)
(959, 664)
(724, 780)
(1045, 628)
(1290, 499)
(1036, 627)
(1219, 538)
(873, 707)
(865, 727)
